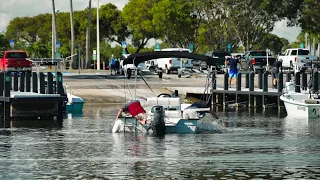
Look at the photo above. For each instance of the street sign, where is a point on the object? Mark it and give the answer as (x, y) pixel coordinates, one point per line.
(191, 47)
(94, 52)
(94, 57)
(57, 44)
(124, 44)
(229, 47)
(11, 43)
(57, 55)
(157, 46)
(301, 45)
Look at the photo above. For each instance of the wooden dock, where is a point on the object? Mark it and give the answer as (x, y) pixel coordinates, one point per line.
(251, 90)
(31, 96)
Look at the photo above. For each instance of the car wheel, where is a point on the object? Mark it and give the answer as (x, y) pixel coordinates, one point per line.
(151, 69)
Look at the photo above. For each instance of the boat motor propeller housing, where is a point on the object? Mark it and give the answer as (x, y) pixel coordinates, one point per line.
(157, 122)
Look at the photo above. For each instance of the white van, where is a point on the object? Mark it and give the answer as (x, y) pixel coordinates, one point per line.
(172, 64)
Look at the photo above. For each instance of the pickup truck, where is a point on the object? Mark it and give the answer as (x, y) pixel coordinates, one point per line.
(297, 59)
(257, 59)
(15, 61)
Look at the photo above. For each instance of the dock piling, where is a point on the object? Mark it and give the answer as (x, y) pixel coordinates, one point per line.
(239, 82)
(280, 82)
(265, 81)
(28, 81)
(22, 81)
(34, 82)
(49, 83)
(315, 82)
(297, 81)
(226, 77)
(304, 80)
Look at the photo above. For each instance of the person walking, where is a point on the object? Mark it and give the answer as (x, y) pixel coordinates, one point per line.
(276, 66)
(233, 72)
(112, 65)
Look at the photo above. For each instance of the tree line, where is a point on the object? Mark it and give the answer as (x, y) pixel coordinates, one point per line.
(208, 24)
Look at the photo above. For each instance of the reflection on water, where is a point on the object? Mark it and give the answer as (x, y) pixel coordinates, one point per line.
(250, 144)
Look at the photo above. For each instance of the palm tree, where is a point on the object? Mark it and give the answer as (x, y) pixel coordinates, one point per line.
(72, 36)
(88, 37)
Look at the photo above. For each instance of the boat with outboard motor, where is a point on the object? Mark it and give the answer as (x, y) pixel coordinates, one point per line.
(166, 114)
(301, 104)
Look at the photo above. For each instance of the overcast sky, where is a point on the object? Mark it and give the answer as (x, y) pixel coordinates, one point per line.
(13, 8)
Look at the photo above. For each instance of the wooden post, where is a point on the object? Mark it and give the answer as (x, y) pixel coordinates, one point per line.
(15, 82)
(247, 80)
(42, 84)
(315, 82)
(7, 90)
(297, 82)
(50, 83)
(1, 83)
(304, 81)
(59, 80)
(265, 81)
(214, 81)
(226, 78)
(288, 77)
(28, 82)
(251, 81)
(34, 82)
(239, 82)
(22, 81)
(280, 82)
(260, 79)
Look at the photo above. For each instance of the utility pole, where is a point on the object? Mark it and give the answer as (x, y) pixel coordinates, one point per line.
(98, 38)
(88, 37)
(79, 57)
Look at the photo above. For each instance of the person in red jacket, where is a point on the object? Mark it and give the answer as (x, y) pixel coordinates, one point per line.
(135, 109)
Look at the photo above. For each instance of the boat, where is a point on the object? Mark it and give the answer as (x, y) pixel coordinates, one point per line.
(74, 104)
(300, 104)
(167, 114)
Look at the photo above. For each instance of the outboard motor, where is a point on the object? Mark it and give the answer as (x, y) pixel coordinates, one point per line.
(157, 122)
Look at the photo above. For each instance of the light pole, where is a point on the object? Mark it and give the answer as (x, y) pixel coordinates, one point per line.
(98, 38)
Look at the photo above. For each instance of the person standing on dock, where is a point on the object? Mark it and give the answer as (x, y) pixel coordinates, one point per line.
(276, 66)
(233, 72)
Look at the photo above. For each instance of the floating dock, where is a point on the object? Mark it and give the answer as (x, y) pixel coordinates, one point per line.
(31, 96)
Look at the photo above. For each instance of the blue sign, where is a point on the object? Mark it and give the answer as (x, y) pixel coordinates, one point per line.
(11, 43)
(191, 47)
(124, 44)
(301, 45)
(157, 46)
(229, 46)
(57, 44)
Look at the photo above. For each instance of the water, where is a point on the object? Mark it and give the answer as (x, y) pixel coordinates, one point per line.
(260, 145)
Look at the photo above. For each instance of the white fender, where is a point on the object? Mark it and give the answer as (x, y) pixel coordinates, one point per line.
(117, 126)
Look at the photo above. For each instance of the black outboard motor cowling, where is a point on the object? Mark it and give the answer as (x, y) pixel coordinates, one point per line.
(157, 122)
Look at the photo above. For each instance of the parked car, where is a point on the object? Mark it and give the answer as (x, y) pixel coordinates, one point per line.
(258, 59)
(296, 59)
(15, 61)
(220, 57)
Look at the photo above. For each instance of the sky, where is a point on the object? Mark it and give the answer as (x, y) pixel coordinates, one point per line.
(10, 9)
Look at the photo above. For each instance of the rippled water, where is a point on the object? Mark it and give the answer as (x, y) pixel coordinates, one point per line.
(262, 145)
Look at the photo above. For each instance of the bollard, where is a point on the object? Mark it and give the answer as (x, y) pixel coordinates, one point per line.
(28, 81)
(34, 82)
(239, 82)
(226, 77)
(176, 93)
(22, 81)
(304, 81)
(315, 82)
(265, 81)
(260, 79)
(59, 80)
(247, 80)
(50, 83)
(15, 82)
(297, 83)
(42, 84)
(251, 81)
(288, 77)
(280, 82)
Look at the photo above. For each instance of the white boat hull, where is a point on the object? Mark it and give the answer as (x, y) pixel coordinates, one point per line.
(295, 106)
